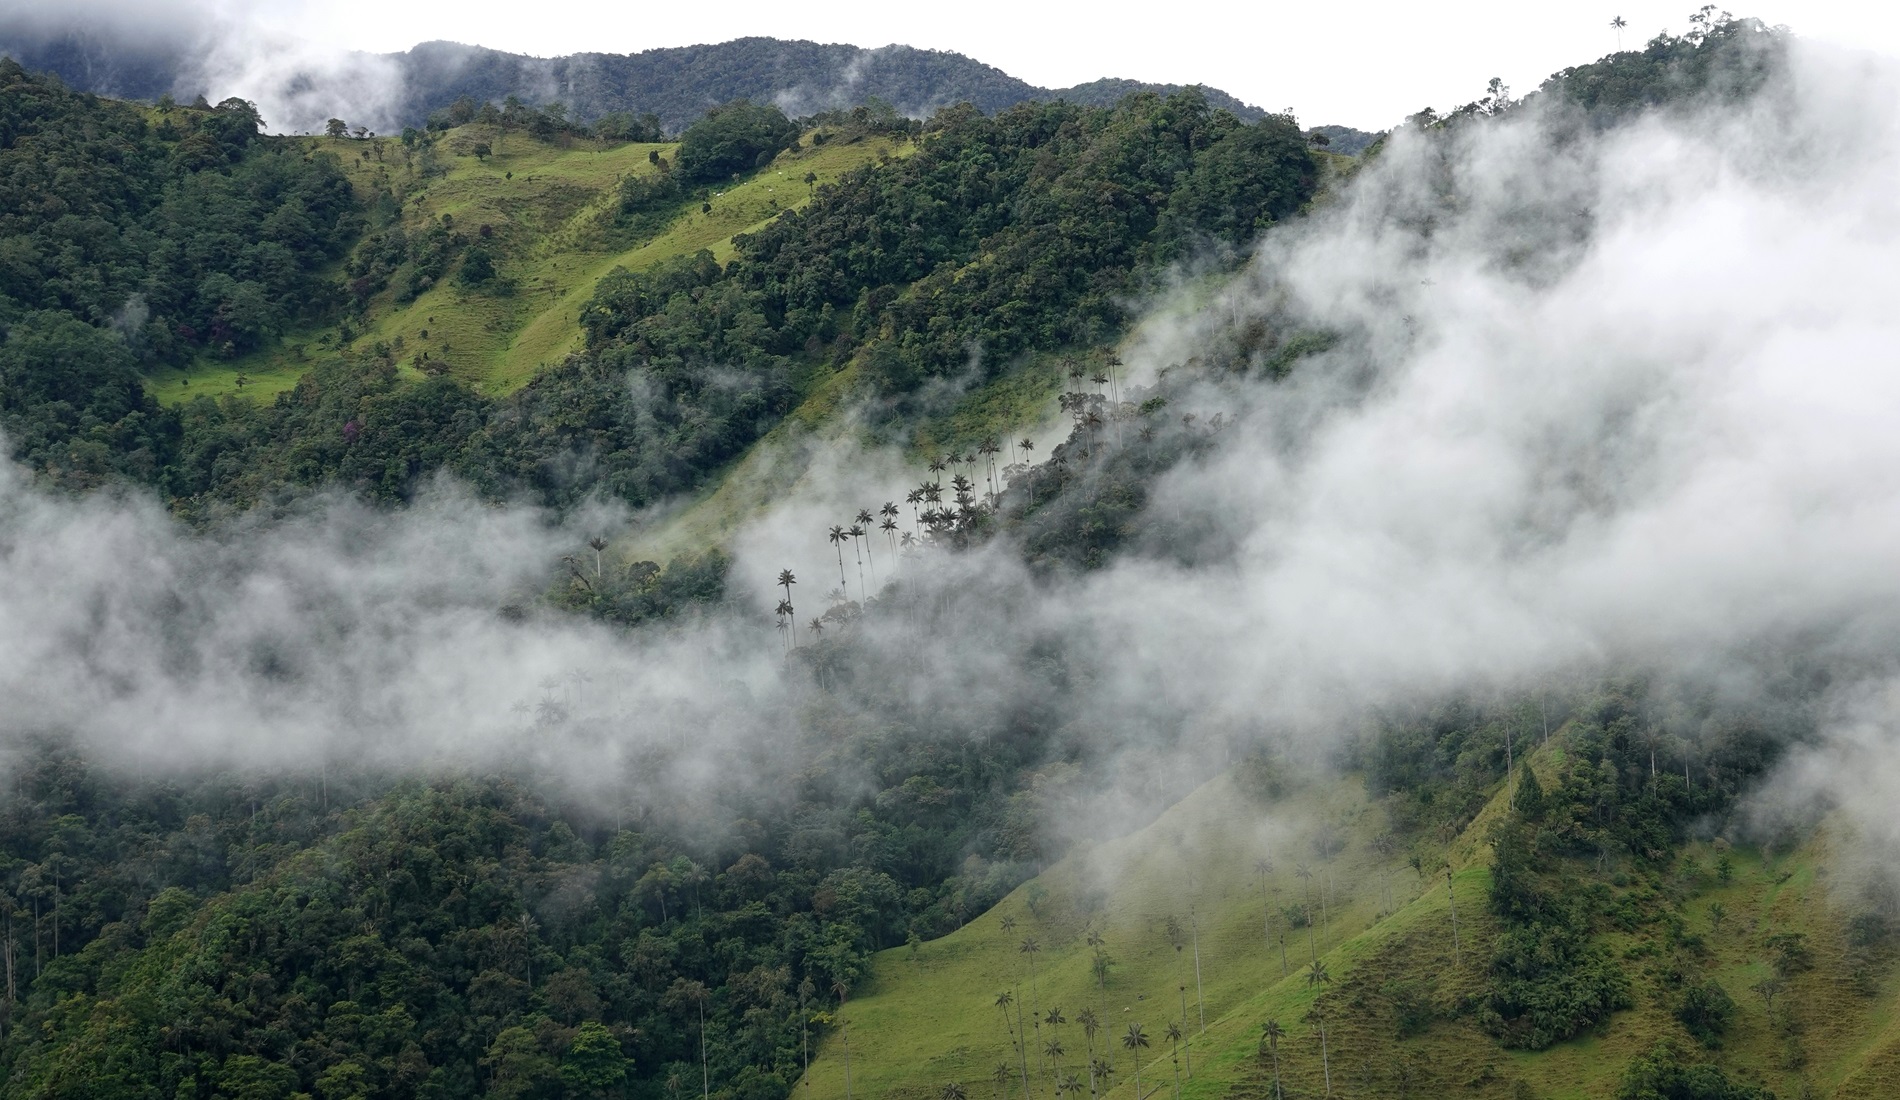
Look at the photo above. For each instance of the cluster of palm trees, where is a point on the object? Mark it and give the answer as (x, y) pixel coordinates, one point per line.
(1091, 411)
(933, 518)
(1027, 1034)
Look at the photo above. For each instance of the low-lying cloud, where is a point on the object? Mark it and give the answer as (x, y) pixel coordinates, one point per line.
(1596, 401)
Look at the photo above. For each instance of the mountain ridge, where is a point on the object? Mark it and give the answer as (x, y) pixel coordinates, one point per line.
(676, 83)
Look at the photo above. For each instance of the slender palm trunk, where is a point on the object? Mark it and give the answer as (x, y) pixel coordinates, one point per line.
(1325, 1061)
(1022, 1055)
(1456, 951)
(1273, 1045)
(1200, 1000)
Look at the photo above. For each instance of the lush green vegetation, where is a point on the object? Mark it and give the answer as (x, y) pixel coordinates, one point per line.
(131, 243)
(1024, 232)
(349, 935)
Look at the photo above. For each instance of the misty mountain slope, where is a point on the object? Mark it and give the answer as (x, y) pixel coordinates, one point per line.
(1528, 503)
(1404, 1007)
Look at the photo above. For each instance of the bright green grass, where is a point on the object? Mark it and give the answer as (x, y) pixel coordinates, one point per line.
(548, 209)
(262, 378)
(922, 1022)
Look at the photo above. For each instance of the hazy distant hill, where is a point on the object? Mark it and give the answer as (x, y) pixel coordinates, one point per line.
(676, 84)
(680, 84)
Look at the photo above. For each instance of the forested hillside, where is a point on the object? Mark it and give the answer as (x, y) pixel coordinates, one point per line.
(1165, 729)
(1024, 231)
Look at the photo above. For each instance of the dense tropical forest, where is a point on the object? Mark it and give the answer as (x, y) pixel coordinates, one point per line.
(938, 752)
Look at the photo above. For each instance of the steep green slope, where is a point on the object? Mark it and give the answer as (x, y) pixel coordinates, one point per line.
(1402, 997)
(544, 212)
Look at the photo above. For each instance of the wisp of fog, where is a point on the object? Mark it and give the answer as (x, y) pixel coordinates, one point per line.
(1595, 400)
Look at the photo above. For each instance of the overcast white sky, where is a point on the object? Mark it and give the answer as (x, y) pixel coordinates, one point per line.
(1363, 64)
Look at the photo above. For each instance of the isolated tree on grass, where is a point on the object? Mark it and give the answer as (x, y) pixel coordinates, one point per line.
(1173, 1035)
(1055, 1019)
(1133, 1042)
(1272, 1032)
(1090, 1025)
(1316, 977)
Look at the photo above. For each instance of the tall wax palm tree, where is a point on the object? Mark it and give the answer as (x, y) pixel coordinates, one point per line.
(1173, 1035)
(1055, 1019)
(1053, 1051)
(888, 515)
(912, 498)
(1133, 1042)
(1316, 977)
(864, 525)
(1003, 1002)
(1383, 846)
(1617, 24)
(1456, 950)
(837, 537)
(1000, 1077)
(989, 449)
(953, 1091)
(1264, 867)
(1200, 995)
(1305, 874)
(1029, 949)
(1184, 1022)
(856, 534)
(1273, 1033)
(1090, 1025)
(786, 580)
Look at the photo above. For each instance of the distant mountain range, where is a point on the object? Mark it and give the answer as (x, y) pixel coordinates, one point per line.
(676, 84)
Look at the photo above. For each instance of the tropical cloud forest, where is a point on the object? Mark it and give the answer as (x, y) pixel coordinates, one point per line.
(779, 571)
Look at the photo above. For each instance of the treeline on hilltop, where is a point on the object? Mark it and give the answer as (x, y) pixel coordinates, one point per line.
(678, 84)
